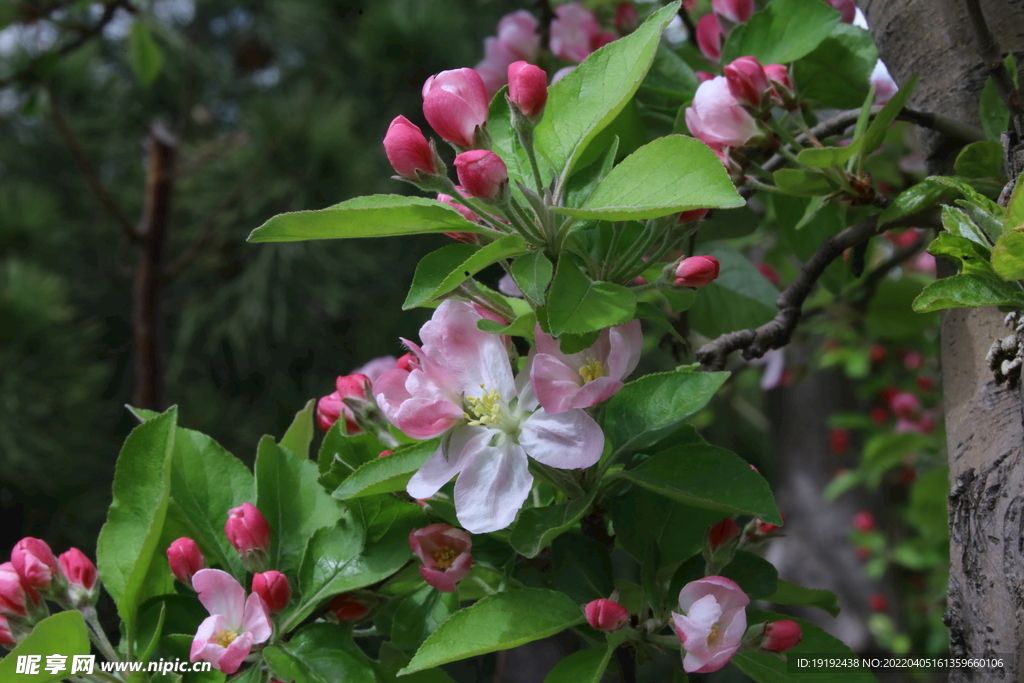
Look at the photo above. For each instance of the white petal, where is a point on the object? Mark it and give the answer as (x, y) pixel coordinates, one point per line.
(568, 441)
(438, 470)
(492, 488)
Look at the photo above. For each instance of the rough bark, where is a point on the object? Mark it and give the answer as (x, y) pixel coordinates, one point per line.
(932, 38)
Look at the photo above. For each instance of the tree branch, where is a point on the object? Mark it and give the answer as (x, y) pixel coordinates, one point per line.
(547, 15)
(988, 48)
(691, 29)
(88, 171)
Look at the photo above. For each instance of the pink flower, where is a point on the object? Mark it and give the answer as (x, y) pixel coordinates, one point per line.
(34, 562)
(455, 104)
(864, 521)
(778, 74)
(517, 40)
(333, 406)
(704, 76)
(274, 588)
(6, 637)
(696, 271)
(736, 11)
(781, 635)
(376, 367)
(235, 624)
(347, 608)
(712, 622)
(709, 37)
(572, 31)
(464, 383)
(905, 405)
(508, 286)
(626, 18)
(528, 88)
(722, 532)
(407, 362)
(847, 8)
(747, 80)
(14, 596)
(579, 380)
(408, 150)
(606, 615)
(445, 553)
(247, 529)
(885, 86)
(562, 73)
(482, 173)
(878, 603)
(185, 559)
(692, 215)
(78, 569)
(715, 117)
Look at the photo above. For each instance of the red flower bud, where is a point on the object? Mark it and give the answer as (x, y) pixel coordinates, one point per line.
(879, 416)
(779, 75)
(877, 353)
(925, 383)
(769, 273)
(912, 360)
(839, 440)
(78, 569)
(34, 562)
(863, 553)
(528, 88)
(247, 529)
(748, 81)
(407, 149)
(722, 532)
(864, 521)
(13, 595)
(482, 173)
(709, 37)
(626, 18)
(407, 362)
(6, 638)
(606, 615)
(696, 271)
(878, 603)
(347, 608)
(185, 559)
(905, 405)
(466, 212)
(781, 635)
(847, 8)
(455, 104)
(333, 406)
(692, 215)
(736, 11)
(384, 454)
(273, 587)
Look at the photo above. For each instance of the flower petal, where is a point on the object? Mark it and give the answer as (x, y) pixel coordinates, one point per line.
(236, 653)
(555, 382)
(221, 594)
(210, 627)
(257, 619)
(438, 579)
(625, 343)
(438, 470)
(569, 440)
(492, 487)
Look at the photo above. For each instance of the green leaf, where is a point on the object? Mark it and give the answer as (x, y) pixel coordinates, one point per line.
(584, 666)
(643, 518)
(577, 304)
(341, 455)
(300, 434)
(672, 174)
(756, 576)
(144, 54)
(319, 653)
(801, 183)
(650, 407)
(768, 668)
(591, 96)
(741, 297)
(914, 199)
(670, 76)
(523, 326)
(837, 73)
(972, 257)
(128, 541)
(506, 144)
(498, 622)
(294, 503)
(1008, 255)
(418, 615)
(581, 567)
(535, 528)
(995, 116)
(791, 594)
(1014, 216)
(828, 157)
(583, 182)
(377, 215)
(441, 271)
(875, 134)
(889, 310)
(392, 660)
(63, 633)
(967, 291)
(706, 477)
(928, 509)
(328, 567)
(980, 160)
(532, 273)
(783, 32)
(957, 223)
(206, 482)
(387, 474)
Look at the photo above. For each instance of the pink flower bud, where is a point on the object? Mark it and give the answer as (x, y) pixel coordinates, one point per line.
(384, 454)
(518, 31)
(913, 360)
(878, 603)
(602, 39)
(333, 406)
(407, 149)
(781, 635)
(446, 555)
(703, 76)
(747, 81)
(692, 215)
(78, 569)
(347, 608)
(626, 18)
(573, 31)
(185, 559)
(455, 104)
(606, 615)
(905, 405)
(839, 441)
(864, 521)
(273, 587)
(528, 88)
(722, 532)
(696, 271)
(715, 119)
(34, 562)
(779, 75)
(482, 173)
(736, 11)
(247, 529)
(885, 86)
(711, 623)
(709, 37)
(6, 638)
(466, 212)
(13, 595)
(407, 362)
(847, 8)
(766, 529)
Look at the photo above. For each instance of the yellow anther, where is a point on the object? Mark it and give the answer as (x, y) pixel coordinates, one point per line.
(445, 556)
(592, 370)
(485, 410)
(225, 638)
(714, 633)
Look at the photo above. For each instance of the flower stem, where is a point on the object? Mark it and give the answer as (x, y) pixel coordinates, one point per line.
(98, 636)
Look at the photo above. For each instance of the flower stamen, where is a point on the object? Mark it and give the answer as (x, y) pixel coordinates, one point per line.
(445, 557)
(713, 634)
(484, 411)
(592, 370)
(225, 638)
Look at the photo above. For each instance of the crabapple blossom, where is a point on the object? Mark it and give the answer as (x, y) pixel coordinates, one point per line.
(606, 615)
(274, 588)
(626, 18)
(864, 521)
(354, 387)
(747, 81)
(80, 573)
(709, 37)
(185, 559)
(715, 118)
(711, 622)
(14, 596)
(376, 367)
(6, 637)
(482, 173)
(722, 532)
(781, 635)
(464, 386)
(573, 31)
(847, 8)
(528, 88)
(445, 553)
(564, 381)
(347, 608)
(408, 150)
(35, 563)
(455, 103)
(696, 271)
(466, 212)
(562, 73)
(905, 405)
(249, 533)
(517, 40)
(885, 86)
(235, 624)
(736, 11)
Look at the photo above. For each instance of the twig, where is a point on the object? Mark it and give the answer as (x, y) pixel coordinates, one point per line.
(988, 48)
(691, 29)
(547, 15)
(88, 171)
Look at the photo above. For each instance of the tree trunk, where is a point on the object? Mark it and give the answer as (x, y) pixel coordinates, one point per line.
(934, 39)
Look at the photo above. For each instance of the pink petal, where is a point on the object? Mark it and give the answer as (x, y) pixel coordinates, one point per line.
(221, 594)
(438, 579)
(256, 621)
(492, 487)
(554, 381)
(727, 593)
(592, 393)
(450, 116)
(236, 653)
(473, 356)
(438, 471)
(210, 627)
(569, 440)
(625, 344)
